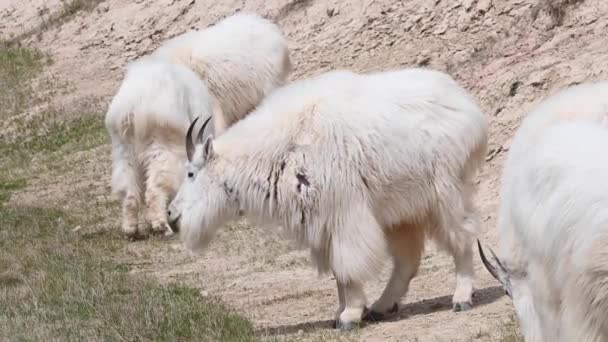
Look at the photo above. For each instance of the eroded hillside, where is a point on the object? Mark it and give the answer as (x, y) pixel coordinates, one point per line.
(508, 54)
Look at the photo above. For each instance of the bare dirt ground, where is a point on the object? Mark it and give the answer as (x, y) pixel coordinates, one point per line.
(508, 54)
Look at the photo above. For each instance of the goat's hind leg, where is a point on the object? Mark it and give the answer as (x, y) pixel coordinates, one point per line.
(457, 232)
(463, 294)
(458, 241)
(130, 209)
(126, 184)
(358, 252)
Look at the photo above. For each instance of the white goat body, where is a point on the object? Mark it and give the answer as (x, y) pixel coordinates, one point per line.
(356, 168)
(534, 229)
(242, 58)
(146, 121)
(223, 72)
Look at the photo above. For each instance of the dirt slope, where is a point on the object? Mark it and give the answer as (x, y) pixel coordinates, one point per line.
(508, 54)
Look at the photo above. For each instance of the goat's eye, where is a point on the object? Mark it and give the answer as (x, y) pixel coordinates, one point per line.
(190, 174)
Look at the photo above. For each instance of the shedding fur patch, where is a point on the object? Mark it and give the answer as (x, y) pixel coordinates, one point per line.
(302, 181)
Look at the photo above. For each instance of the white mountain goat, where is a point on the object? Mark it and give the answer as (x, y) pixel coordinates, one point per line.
(549, 206)
(226, 70)
(356, 168)
(242, 58)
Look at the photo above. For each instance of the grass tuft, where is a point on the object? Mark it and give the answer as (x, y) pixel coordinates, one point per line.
(18, 65)
(82, 134)
(63, 15)
(509, 331)
(556, 9)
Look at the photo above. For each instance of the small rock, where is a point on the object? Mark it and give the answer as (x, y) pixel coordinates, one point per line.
(537, 79)
(513, 88)
(300, 332)
(484, 5)
(76, 229)
(423, 60)
(493, 153)
(468, 4)
(103, 7)
(441, 29)
(204, 293)
(331, 12)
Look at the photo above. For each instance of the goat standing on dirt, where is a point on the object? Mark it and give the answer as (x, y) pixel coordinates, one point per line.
(356, 168)
(223, 72)
(552, 218)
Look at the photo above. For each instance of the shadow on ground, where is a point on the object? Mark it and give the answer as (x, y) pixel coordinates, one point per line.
(424, 307)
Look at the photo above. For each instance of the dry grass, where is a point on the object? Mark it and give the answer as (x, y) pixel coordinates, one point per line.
(509, 331)
(61, 275)
(56, 284)
(18, 65)
(555, 8)
(56, 19)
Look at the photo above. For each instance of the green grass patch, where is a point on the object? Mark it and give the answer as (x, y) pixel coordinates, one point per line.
(54, 285)
(50, 146)
(76, 135)
(58, 18)
(62, 283)
(18, 65)
(72, 7)
(61, 275)
(8, 186)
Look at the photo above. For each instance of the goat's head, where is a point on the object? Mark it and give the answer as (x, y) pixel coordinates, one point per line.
(203, 201)
(499, 273)
(515, 285)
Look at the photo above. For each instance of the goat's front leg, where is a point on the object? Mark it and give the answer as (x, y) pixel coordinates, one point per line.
(341, 300)
(354, 305)
(162, 173)
(156, 212)
(126, 186)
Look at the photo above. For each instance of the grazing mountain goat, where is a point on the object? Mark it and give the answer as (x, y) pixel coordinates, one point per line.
(550, 213)
(242, 58)
(222, 72)
(356, 168)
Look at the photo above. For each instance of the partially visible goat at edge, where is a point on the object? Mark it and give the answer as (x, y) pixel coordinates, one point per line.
(357, 168)
(552, 218)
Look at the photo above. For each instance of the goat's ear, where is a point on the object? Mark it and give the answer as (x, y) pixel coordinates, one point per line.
(208, 152)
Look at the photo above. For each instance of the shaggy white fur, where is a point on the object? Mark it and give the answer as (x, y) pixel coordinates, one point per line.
(223, 71)
(242, 58)
(357, 168)
(549, 193)
(146, 121)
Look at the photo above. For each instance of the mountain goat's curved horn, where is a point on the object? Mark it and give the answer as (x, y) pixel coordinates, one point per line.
(488, 264)
(199, 137)
(189, 144)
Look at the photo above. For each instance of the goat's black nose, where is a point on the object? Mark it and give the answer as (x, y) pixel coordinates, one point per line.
(168, 212)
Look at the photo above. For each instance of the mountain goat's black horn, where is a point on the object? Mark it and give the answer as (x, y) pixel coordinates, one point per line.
(189, 144)
(199, 137)
(487, 263)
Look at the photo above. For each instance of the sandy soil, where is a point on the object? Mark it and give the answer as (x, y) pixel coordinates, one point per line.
(508, 54)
